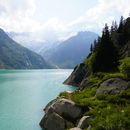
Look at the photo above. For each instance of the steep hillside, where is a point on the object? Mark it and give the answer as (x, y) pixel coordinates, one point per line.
(72, 51)
(15, 56)
(110, 50)
(103, 80)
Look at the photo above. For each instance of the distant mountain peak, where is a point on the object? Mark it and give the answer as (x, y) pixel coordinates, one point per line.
(2, 33)
(72, 51)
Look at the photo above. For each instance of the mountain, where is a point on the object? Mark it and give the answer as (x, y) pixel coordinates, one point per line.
(15, 56)
(71, 51)
(33, 42)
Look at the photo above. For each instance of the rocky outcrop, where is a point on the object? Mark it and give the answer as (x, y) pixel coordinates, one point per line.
(113, 86)
(59, 113)
(53, 121)
(78, 75)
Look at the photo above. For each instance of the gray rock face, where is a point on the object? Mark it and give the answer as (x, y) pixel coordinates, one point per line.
(78, 75)
(76, 128)
(84, 122)
(113, 86)
(58, 113)
(52, 121)
(67, 109)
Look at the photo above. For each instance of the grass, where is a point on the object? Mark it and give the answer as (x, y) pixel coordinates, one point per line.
(109, 112)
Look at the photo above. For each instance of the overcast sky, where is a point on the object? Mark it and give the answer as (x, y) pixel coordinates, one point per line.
(60, 17)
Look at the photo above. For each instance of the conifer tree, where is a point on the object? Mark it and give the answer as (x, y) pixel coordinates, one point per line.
(91, 48)
(120, 28)
(106, 55)
(120, 32)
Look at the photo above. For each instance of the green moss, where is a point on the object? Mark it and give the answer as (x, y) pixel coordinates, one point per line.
(112, 117)
(69, 125)
(89, 59)
(125, 67)
(109, 112)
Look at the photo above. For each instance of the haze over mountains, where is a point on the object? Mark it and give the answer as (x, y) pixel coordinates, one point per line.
(15, 56)
(72, 51)
(62, 54)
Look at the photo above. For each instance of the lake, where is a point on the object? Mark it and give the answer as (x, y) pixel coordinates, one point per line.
(24, 94)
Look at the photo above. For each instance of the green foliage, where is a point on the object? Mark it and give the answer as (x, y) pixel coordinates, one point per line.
(69, 125)
(81, 97)
(112, 118)
(125, 67)
(109, 112)
(106, 55)
(89, 60)
(110, 47)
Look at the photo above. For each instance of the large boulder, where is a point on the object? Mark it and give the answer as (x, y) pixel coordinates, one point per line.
(77, 76)
(84, 122)
(113, 86)
(53, 121)
(68, 109)
(59, 113)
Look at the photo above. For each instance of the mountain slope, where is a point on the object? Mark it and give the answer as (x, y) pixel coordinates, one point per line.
(111, 54)
(105, 88)
(15, 56)
(72, 51)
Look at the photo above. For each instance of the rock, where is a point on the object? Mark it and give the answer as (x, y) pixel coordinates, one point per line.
(49, 105)
(52, 121)
(77, 75)
(84, 122)
(68, 109)
(113, 86)
(76, 128)
(60, 113)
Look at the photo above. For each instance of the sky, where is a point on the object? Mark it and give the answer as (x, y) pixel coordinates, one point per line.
(59, 19)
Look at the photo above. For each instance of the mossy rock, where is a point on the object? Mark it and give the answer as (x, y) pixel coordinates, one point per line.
(113, 86)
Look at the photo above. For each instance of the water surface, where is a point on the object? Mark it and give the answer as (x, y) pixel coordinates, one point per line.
(24, 93)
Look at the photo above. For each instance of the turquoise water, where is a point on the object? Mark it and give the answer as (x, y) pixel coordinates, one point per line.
(24, 93)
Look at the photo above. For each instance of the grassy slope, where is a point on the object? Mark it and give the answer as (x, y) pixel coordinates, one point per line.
(109, 112)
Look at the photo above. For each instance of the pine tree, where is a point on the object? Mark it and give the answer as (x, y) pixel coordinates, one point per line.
(91, 48)
(106, 55)
(120, 32)
(120, 28)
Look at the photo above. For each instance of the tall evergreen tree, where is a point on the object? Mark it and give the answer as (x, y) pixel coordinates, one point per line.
(91, 48)
(120, 28)
(126, 30)
(120, 32)
(105, 55)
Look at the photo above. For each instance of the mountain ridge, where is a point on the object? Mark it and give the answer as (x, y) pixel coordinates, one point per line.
(15, 56)
(73, 50)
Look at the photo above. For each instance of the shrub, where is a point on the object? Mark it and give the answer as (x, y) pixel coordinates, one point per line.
(125, 67)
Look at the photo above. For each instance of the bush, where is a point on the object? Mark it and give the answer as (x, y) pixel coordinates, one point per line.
(125, 67)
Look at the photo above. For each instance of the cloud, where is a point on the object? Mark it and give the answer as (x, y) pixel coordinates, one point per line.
(18, 16)
(105, 12)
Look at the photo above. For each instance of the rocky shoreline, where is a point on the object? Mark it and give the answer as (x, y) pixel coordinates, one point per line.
(62, 113)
